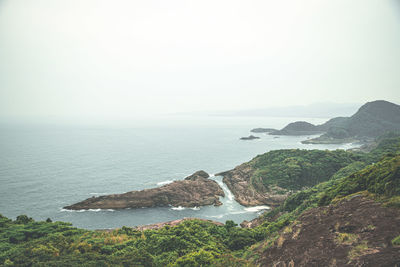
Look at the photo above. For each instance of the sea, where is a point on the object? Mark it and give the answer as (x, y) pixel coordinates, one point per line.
(46, 166)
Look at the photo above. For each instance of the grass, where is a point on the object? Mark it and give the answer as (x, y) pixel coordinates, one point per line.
(396, 241)
(346, 239)
(358, 250)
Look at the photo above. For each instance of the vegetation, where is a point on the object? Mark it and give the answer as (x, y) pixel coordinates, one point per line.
(372, 120)
(25, 242)
(396, 241)
(191, 243)
(294, 169)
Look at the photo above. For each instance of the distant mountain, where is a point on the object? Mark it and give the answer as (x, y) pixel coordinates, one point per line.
(371, 120)
(298, 128)
(316, 110)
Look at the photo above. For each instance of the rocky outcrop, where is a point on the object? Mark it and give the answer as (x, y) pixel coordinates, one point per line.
(248, 192)
(354, 232)
(250, 137)
(195, 190)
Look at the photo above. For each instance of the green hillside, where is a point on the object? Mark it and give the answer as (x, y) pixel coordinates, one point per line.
(25, 242)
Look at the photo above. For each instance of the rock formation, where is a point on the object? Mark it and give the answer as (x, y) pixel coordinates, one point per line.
(239, 183)
(195, 190)
(355, 232)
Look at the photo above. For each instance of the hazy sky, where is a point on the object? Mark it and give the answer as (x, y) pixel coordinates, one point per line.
(112, 59)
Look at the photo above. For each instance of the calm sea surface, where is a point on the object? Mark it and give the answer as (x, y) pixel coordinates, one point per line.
(43, 168)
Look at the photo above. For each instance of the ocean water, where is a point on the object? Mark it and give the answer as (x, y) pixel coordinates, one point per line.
(46, 167)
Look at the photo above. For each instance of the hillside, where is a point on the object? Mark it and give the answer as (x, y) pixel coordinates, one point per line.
(357, 231)
(351, 219)
(269, 178)
(355, 218)
(370, 121)
(298, 128)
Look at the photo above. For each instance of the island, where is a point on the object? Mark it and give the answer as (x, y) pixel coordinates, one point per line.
(194, 191)
(250, 137)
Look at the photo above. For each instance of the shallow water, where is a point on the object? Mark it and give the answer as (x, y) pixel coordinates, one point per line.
(44, 168)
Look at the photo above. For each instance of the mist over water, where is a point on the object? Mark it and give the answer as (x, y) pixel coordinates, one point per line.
(44, 168)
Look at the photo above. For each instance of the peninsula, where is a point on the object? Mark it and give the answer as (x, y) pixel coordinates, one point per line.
(370, 121)
(195, 190)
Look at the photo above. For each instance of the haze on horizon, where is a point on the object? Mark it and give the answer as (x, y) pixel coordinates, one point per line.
(106, 60)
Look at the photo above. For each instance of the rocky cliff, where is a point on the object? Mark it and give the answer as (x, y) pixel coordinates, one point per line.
(270, 178)
(354, 232)
(239, 182)
(195, 190)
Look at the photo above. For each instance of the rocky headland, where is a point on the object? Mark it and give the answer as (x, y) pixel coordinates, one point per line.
(298, 128)
(239, 182)
(270, 178)
(195, 190)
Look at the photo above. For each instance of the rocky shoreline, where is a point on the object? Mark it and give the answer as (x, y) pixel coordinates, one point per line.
(248, 192)
(194, 191)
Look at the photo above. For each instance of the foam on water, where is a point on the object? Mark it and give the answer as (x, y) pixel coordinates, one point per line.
(83, 210)
(178, 208)
(257, 208)
(164, 182)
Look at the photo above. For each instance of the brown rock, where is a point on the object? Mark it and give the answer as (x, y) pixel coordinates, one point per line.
(246, 193)
(355, 232)
(195, 190)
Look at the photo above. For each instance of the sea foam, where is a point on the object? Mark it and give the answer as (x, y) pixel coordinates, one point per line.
(164, 182)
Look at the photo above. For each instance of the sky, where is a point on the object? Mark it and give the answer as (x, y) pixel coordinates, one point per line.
(121, 59)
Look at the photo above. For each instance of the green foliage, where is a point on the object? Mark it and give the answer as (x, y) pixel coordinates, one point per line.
(338, 132)
(372, 119)
(294, 169)
(337, 174)
(396, 241)
(190, 243)
(381, 179)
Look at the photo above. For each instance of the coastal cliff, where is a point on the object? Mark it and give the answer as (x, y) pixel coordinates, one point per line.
(195, 190)
(239, 182)
(270, 178)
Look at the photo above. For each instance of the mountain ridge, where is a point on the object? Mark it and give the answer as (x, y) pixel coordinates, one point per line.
(370, 121)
